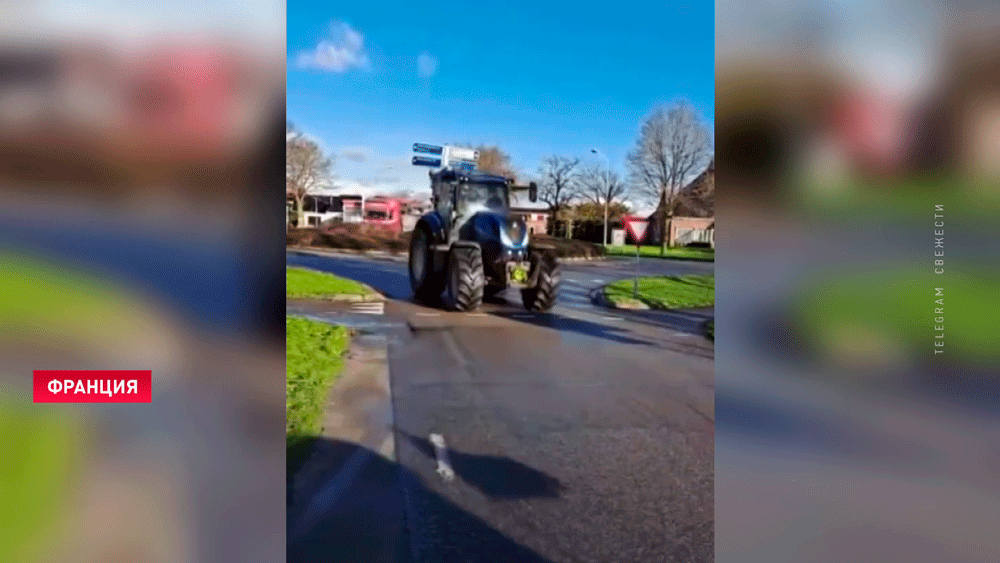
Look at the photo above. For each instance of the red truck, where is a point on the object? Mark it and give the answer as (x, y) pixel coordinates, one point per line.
(384, 212)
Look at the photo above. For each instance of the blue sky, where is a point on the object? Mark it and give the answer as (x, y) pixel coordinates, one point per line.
(536, 78)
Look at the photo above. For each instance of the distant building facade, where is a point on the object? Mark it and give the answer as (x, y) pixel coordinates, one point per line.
(535, 214)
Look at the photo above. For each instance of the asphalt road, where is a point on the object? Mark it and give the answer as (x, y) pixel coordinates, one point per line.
(578, 435)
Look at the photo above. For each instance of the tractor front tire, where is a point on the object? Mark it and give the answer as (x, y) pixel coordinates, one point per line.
(427, 284)
(466, 278)
(542, 297)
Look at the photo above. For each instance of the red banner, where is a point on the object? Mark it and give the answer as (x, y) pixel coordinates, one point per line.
(93, 386)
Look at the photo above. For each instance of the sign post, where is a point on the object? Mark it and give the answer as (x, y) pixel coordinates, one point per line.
(637, 228)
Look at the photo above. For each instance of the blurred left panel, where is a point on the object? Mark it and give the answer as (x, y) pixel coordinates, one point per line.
(141, 209)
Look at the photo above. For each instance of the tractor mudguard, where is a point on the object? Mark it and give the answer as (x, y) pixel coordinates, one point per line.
(435, 226)
(466, 244)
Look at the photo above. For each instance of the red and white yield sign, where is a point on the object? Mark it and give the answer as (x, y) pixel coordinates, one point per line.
(636, 227)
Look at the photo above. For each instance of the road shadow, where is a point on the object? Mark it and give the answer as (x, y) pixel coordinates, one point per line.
(497, 477)
(613, 331)
(386, 513)
(690, 321)
(560, 323)
(680, 321)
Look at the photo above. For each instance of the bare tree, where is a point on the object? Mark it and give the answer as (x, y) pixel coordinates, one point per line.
(306, 169)
(559, 184)
(492, 160)
(602, 187)
(590, 211)
(673, 146)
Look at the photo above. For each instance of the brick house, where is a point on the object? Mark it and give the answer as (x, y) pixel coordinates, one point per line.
(536, 220)
(535, 215)
(693, 218)
(687, 230)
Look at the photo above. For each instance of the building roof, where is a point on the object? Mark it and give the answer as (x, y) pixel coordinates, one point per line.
(519, 200)
(697, 199)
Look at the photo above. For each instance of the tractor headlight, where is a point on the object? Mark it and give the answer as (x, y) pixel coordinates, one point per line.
(513, 232)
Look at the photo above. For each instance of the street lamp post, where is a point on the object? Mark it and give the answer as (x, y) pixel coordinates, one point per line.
(607, 192)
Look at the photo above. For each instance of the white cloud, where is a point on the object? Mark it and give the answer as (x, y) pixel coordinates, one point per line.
(355, 155)
(386, 182)
(427, 65)
(343, 51)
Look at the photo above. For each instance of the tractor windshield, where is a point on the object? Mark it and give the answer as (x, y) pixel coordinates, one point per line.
(491, 195)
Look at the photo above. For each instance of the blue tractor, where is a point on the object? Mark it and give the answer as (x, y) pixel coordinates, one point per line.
(470, 246)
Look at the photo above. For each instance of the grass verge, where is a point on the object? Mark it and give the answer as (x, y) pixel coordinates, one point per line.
(300, 283)
(681, 253)
(314, 353)
(665, 292)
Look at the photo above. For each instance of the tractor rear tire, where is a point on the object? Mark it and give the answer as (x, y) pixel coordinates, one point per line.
(466, 278)
(542, 297)
(427, 284)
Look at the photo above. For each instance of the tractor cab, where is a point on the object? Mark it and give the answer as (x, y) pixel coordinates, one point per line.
(459, 197)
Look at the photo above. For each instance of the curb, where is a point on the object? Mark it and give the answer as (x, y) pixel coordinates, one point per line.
(396, 256)
(675, 258)
(373, 296)
(597, 297)
(583, 259)
(345, 252)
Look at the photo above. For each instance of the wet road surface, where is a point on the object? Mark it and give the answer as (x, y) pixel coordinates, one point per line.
(583, 434)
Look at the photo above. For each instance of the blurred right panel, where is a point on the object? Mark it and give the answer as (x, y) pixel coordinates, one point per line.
(857, 402)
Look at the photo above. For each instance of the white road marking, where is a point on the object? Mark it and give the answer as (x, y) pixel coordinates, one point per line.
(369, 308)
(477, 314)
(427, 314)
(443, 463)
(612, 318)
(596, 281)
